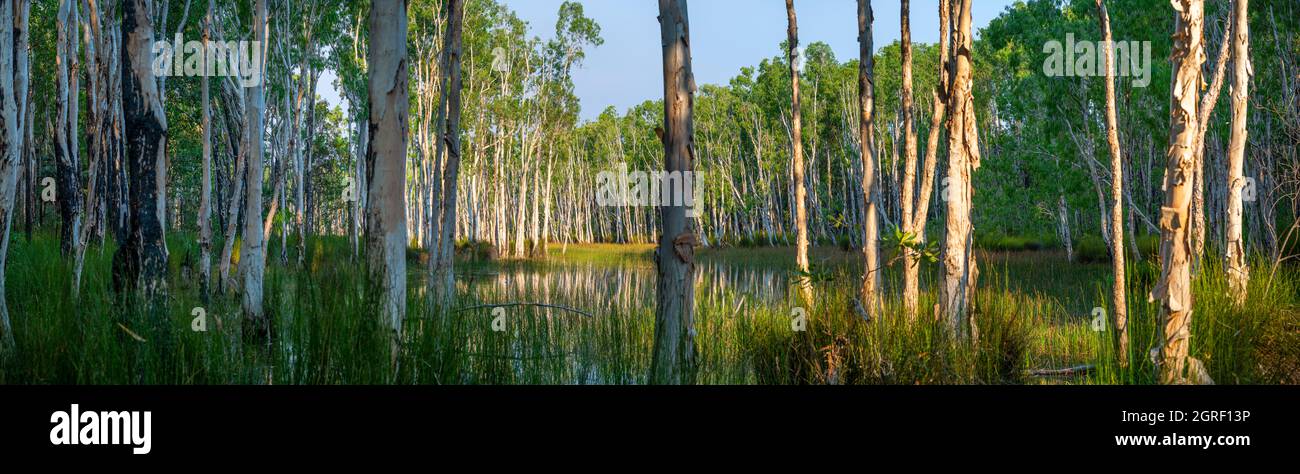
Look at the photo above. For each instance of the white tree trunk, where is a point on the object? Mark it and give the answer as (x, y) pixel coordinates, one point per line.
(1235, 253)
(447, 238)
(252, 253)
(12, 14)
(386, 211)
(205, 194)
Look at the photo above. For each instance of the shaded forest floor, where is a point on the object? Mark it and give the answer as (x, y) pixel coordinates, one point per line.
(1035, 311)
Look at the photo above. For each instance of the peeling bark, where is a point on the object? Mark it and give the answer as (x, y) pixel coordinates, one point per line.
(673, 360)
(938, 107)
(1235, 253)
(145, 250)
(959, 270)
(1173, 290)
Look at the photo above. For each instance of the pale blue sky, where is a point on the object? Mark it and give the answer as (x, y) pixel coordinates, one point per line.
(726, 36)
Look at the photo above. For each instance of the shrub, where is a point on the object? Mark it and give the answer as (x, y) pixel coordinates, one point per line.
(1091, 249)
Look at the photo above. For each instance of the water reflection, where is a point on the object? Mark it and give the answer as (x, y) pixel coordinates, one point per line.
(602, 288)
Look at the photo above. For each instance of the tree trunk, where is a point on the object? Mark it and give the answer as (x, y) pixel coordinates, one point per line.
(1173, 289)
(13, 83)
(360, 184)
(386, 160)
(796, 152)
(673, 360)
(866, 137)
(67, 149)
(939, 105)
(145, 251)
(205, 193)
(1063, 226)
(1116, 188)
(960, 272)
(447, 237)
(1196, 225)
(1235, 253)
(252, 253)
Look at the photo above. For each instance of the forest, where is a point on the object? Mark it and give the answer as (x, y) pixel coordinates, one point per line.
(408, 192)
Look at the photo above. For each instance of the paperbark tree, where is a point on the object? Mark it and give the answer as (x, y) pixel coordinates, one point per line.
(99, 140)
(866, 137)
(252, 253)
(1235, 253)
(67, 148)
(938, 107)
(386, 160)
(796, 153)
(1173, 290)
(447, 238)
(145, 251)
(233, 105)
(959, 270)
(96, 112)
(673, 360)
(205, 192)
(1116, 187)
(1209, 100)
(13, 96)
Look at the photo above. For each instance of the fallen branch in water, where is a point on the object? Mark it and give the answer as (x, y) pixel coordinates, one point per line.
(1066, 372)
(511, 305)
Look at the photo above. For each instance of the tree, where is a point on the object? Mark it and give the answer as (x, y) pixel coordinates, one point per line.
(252, 253)
(1117, 188)
(145, 251)
(1235, 252)
(13, 97)
(445, 257)
(866, 138)
(796, 154)
(66, 135)
(205, 193)
(1196, 225)
(386, 160)
(920, 212)
(1173, 290)
(959, 273)
(101, 142)
(674, 344)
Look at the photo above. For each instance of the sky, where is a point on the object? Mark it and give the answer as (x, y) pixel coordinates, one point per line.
(726, 35)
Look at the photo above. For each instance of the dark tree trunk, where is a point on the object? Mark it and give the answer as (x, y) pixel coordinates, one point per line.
(145, 250)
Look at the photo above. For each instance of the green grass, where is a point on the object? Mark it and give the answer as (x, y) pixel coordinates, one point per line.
(1033, 312)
